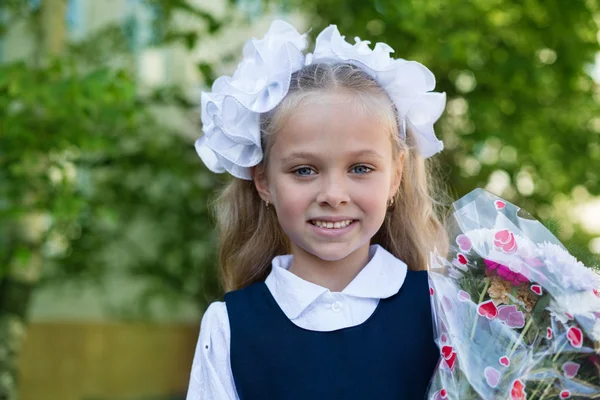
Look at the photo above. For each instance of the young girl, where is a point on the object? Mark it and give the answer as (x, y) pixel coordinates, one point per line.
(326, 226)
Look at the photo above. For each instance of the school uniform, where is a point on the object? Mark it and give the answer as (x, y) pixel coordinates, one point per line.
(287, 338)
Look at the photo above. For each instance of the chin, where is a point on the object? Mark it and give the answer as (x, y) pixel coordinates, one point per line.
(332, 251)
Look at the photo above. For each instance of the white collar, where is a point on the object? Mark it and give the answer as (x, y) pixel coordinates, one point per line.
(382, 277)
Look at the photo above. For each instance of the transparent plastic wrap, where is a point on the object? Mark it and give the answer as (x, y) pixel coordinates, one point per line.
(516, 316)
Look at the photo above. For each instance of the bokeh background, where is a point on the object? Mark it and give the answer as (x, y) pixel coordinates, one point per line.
(107, 247)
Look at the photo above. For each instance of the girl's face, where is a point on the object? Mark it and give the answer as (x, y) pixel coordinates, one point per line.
(330, 163)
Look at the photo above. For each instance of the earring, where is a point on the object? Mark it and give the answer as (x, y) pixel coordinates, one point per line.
(267, 203)
(391, 202)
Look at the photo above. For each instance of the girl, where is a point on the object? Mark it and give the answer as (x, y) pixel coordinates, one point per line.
(326, 227)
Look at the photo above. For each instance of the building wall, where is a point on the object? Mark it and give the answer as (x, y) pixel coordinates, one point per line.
(102, 361)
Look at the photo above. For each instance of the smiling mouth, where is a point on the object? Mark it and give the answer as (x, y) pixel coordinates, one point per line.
(333, 225)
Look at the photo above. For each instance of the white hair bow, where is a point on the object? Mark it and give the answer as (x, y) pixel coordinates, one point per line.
(231, 112)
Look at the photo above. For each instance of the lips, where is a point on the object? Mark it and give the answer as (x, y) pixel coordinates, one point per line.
(332, 224)
(332, 231)
(332, 219)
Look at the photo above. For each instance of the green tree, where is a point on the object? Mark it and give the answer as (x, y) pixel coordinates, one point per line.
(521, 102)
(83, 156)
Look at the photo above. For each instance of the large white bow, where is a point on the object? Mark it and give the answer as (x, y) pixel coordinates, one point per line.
(231, 112)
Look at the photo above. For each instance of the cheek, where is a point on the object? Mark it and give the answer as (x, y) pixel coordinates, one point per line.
(374, 190)
(372, 198)
(292, 201)
(372, 201)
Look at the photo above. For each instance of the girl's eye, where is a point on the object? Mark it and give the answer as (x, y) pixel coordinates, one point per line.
(303, 171)
(362, 169)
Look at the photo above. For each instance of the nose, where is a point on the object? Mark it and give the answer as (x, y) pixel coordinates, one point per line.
(333, 191)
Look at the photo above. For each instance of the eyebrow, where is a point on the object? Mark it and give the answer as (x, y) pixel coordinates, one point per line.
(307, 155)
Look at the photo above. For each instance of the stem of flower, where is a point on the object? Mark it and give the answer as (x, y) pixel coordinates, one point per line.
(543, 395)
(540, 383)
(559, 351)
(514, 292)
(481, 296)
(523, 332)
(548, 386)
(537, 389)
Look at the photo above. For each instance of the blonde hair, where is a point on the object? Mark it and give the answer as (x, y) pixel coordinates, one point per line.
(250, 234)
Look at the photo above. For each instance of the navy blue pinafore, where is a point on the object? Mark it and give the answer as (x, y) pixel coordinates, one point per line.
(392, 355)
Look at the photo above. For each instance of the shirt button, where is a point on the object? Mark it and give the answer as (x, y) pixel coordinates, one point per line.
(337, 306)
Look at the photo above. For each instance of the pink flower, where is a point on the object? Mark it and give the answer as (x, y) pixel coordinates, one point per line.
(511, 275)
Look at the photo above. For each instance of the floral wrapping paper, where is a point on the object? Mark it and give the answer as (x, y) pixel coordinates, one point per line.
(515, 315)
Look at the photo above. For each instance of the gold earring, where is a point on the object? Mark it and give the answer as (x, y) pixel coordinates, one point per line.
(391, 202)
(267, 203)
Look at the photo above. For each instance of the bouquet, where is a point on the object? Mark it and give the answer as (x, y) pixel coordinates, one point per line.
(515, 315)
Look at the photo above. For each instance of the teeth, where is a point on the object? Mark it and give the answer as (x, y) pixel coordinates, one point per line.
(332, 225)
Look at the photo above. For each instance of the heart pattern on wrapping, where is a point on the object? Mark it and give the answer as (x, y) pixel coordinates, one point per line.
(464, 243)
(504, 361)
(447, 304)
(505, 241)
(537, 289)
(575, 337)
(565, 394)
(492, 376)
(449, 356)
(549, 333)
(511, 316)
(499, 204)
(487, 309)
(570, 369)
(462, 259)
(447, 351)
(451, 361)
(517, 390)
(463, 296)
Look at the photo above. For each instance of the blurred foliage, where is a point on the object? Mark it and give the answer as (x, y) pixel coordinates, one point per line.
(92, 179)
(521, 102)
(82, 146)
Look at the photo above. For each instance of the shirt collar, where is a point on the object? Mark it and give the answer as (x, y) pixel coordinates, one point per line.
(381, 278)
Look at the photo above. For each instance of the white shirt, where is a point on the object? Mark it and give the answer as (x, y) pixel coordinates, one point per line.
(306, 304)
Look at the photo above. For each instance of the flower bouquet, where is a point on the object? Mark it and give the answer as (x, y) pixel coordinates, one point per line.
(516, 316)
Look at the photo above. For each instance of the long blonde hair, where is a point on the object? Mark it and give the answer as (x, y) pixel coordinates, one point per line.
(250, 234)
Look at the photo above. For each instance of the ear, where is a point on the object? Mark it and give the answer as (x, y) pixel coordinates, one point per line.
(259, 176)
(397, 174)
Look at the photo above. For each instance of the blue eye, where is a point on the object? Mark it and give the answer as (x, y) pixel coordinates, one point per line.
(303, 169)
(365, 169)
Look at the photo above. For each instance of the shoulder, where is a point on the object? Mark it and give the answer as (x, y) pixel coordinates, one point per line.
(245, 291)
(215, 321)
(215, 314)
(211, 376)
(241, 299)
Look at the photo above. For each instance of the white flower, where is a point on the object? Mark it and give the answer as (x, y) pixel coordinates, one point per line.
(583, 306)
(565, 268)
(575, 303)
